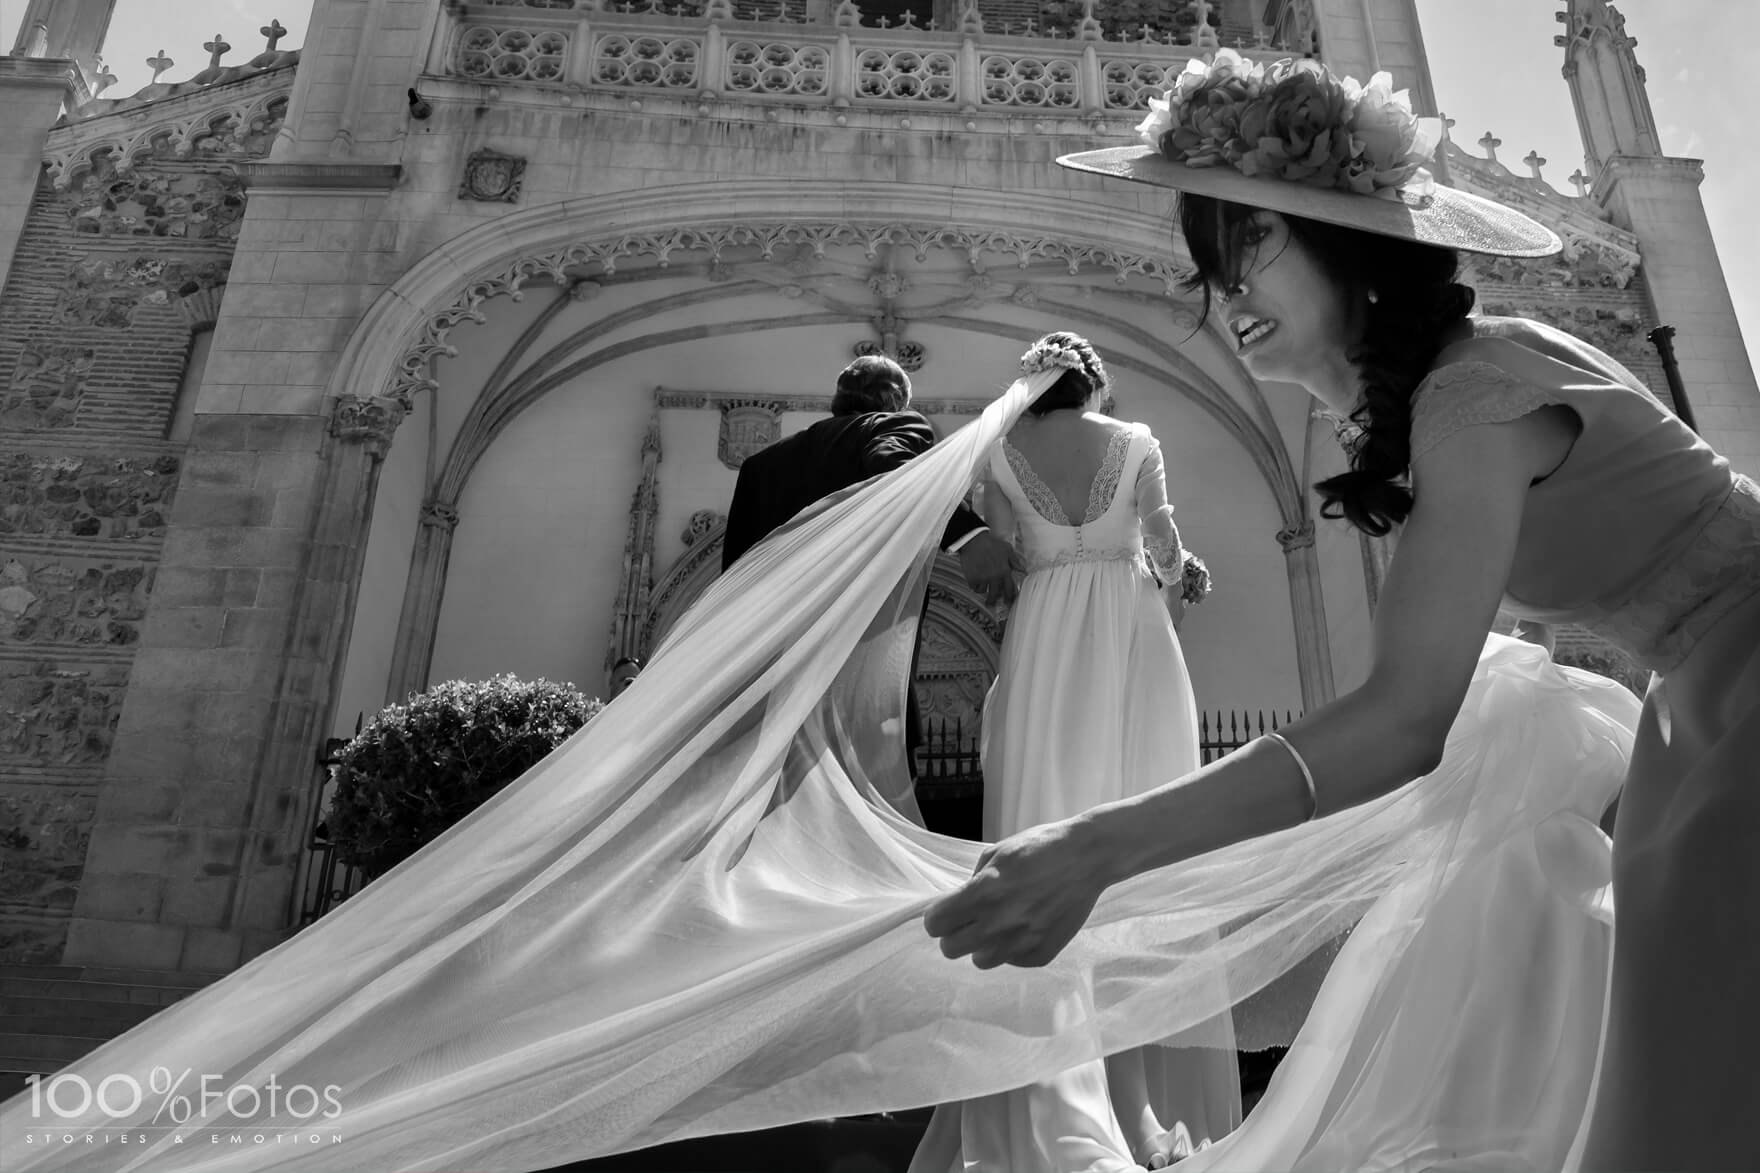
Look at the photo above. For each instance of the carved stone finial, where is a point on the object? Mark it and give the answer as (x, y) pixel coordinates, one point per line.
(1580, 182)
(847, 16)
(104, 80)
(159, 65)
(1447, 126)
(370, 422)
(1535, 161)
(274, 32)
(1090, 29)
(718, 11)
(971, 21)
(1490, 142)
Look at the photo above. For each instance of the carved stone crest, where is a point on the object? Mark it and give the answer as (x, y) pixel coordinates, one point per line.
(746, 427)
(370, 422)
(492, 177)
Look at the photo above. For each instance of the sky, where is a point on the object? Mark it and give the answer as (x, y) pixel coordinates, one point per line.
(1493, 62)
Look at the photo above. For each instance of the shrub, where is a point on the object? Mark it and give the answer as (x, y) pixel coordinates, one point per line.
(421, 766)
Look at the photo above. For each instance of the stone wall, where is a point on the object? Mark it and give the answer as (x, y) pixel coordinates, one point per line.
(112, 276)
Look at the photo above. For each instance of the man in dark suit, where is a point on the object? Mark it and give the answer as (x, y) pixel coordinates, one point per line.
(870, 432)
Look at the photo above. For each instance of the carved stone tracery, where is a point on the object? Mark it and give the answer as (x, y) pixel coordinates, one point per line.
(763, 241)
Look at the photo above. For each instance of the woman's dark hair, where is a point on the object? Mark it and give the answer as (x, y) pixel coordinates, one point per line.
(1073, 388)
(1415, 299)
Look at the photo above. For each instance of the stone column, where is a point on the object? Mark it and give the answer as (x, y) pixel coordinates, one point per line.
(413, 653)
(32, 92)
(1308, 609)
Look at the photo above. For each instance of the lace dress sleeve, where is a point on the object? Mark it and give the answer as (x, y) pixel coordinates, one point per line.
(1463, 394)
(1160, 535)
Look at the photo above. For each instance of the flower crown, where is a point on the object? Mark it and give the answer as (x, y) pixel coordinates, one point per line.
(1046, 355)
(1293, 120)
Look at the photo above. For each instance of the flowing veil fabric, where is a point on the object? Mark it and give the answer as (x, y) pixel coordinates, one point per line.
(702, 914)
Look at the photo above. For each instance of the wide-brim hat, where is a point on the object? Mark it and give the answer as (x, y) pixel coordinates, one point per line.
(1291, 137)
(1444, 216)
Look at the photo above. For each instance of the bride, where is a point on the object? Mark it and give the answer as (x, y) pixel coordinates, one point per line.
(1092, 703)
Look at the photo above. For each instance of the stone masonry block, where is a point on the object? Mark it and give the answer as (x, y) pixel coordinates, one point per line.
(120, 849)
(281, 432)
(123, 944)
(183, 627)
(277, 588)
(190, 586)
(197, 899)
(137, 896)
(210, 950)
(260, 628)
(217, 469)
(225, 507)
(223, 546)
(202, 670)
(301, 397)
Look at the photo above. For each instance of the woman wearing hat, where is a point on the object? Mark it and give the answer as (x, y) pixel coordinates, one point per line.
(1521, 468)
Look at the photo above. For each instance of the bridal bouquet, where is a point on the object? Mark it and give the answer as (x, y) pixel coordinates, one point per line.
(1194, 579)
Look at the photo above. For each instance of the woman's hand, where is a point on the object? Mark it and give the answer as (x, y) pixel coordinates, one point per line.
(1028, 898)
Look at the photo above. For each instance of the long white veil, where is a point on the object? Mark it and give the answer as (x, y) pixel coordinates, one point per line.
(702, 915)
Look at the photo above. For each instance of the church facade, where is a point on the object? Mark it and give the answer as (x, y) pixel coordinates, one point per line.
(430, 349)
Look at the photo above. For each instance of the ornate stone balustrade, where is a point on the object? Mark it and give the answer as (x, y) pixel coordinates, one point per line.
(577, 45)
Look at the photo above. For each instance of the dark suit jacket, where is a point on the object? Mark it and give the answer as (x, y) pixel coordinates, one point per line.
(783, 479)
(835, 453)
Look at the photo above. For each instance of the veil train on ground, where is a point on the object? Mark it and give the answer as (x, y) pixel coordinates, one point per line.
(702, 914)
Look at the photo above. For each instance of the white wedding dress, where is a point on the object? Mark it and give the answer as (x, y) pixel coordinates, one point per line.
(703, 915)
(1092, 703)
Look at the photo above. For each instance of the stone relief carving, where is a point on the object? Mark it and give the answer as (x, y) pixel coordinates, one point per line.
(241, 129)
(763, 240)
(106, 292)
(45, 600)
(44, 834)
(492, 177)
(747, 426)
(54, 717)
(86, 497)
(1618, 330)
(47, 386)
(702, 523)
(370, 422)
(182, 204)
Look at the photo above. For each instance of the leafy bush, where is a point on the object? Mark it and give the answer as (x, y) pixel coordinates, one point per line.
(420, 767)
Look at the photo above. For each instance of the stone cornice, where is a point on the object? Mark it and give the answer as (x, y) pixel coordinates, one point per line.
(46, 72)
(1665, 166)
(315, 177)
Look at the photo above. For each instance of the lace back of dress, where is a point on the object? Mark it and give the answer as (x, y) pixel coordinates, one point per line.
(1046, 533)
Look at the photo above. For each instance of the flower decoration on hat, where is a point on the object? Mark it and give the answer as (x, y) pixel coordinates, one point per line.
(1293, 120)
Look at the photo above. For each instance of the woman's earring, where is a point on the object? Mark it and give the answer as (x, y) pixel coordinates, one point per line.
(1374, 297)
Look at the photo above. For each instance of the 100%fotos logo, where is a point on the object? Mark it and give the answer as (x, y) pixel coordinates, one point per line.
(68, 1097)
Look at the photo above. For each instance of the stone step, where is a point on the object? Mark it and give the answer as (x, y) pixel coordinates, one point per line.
(89, 991)
(869, 1144)
(170, 979)
(71, 1017)
(54, 1050)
